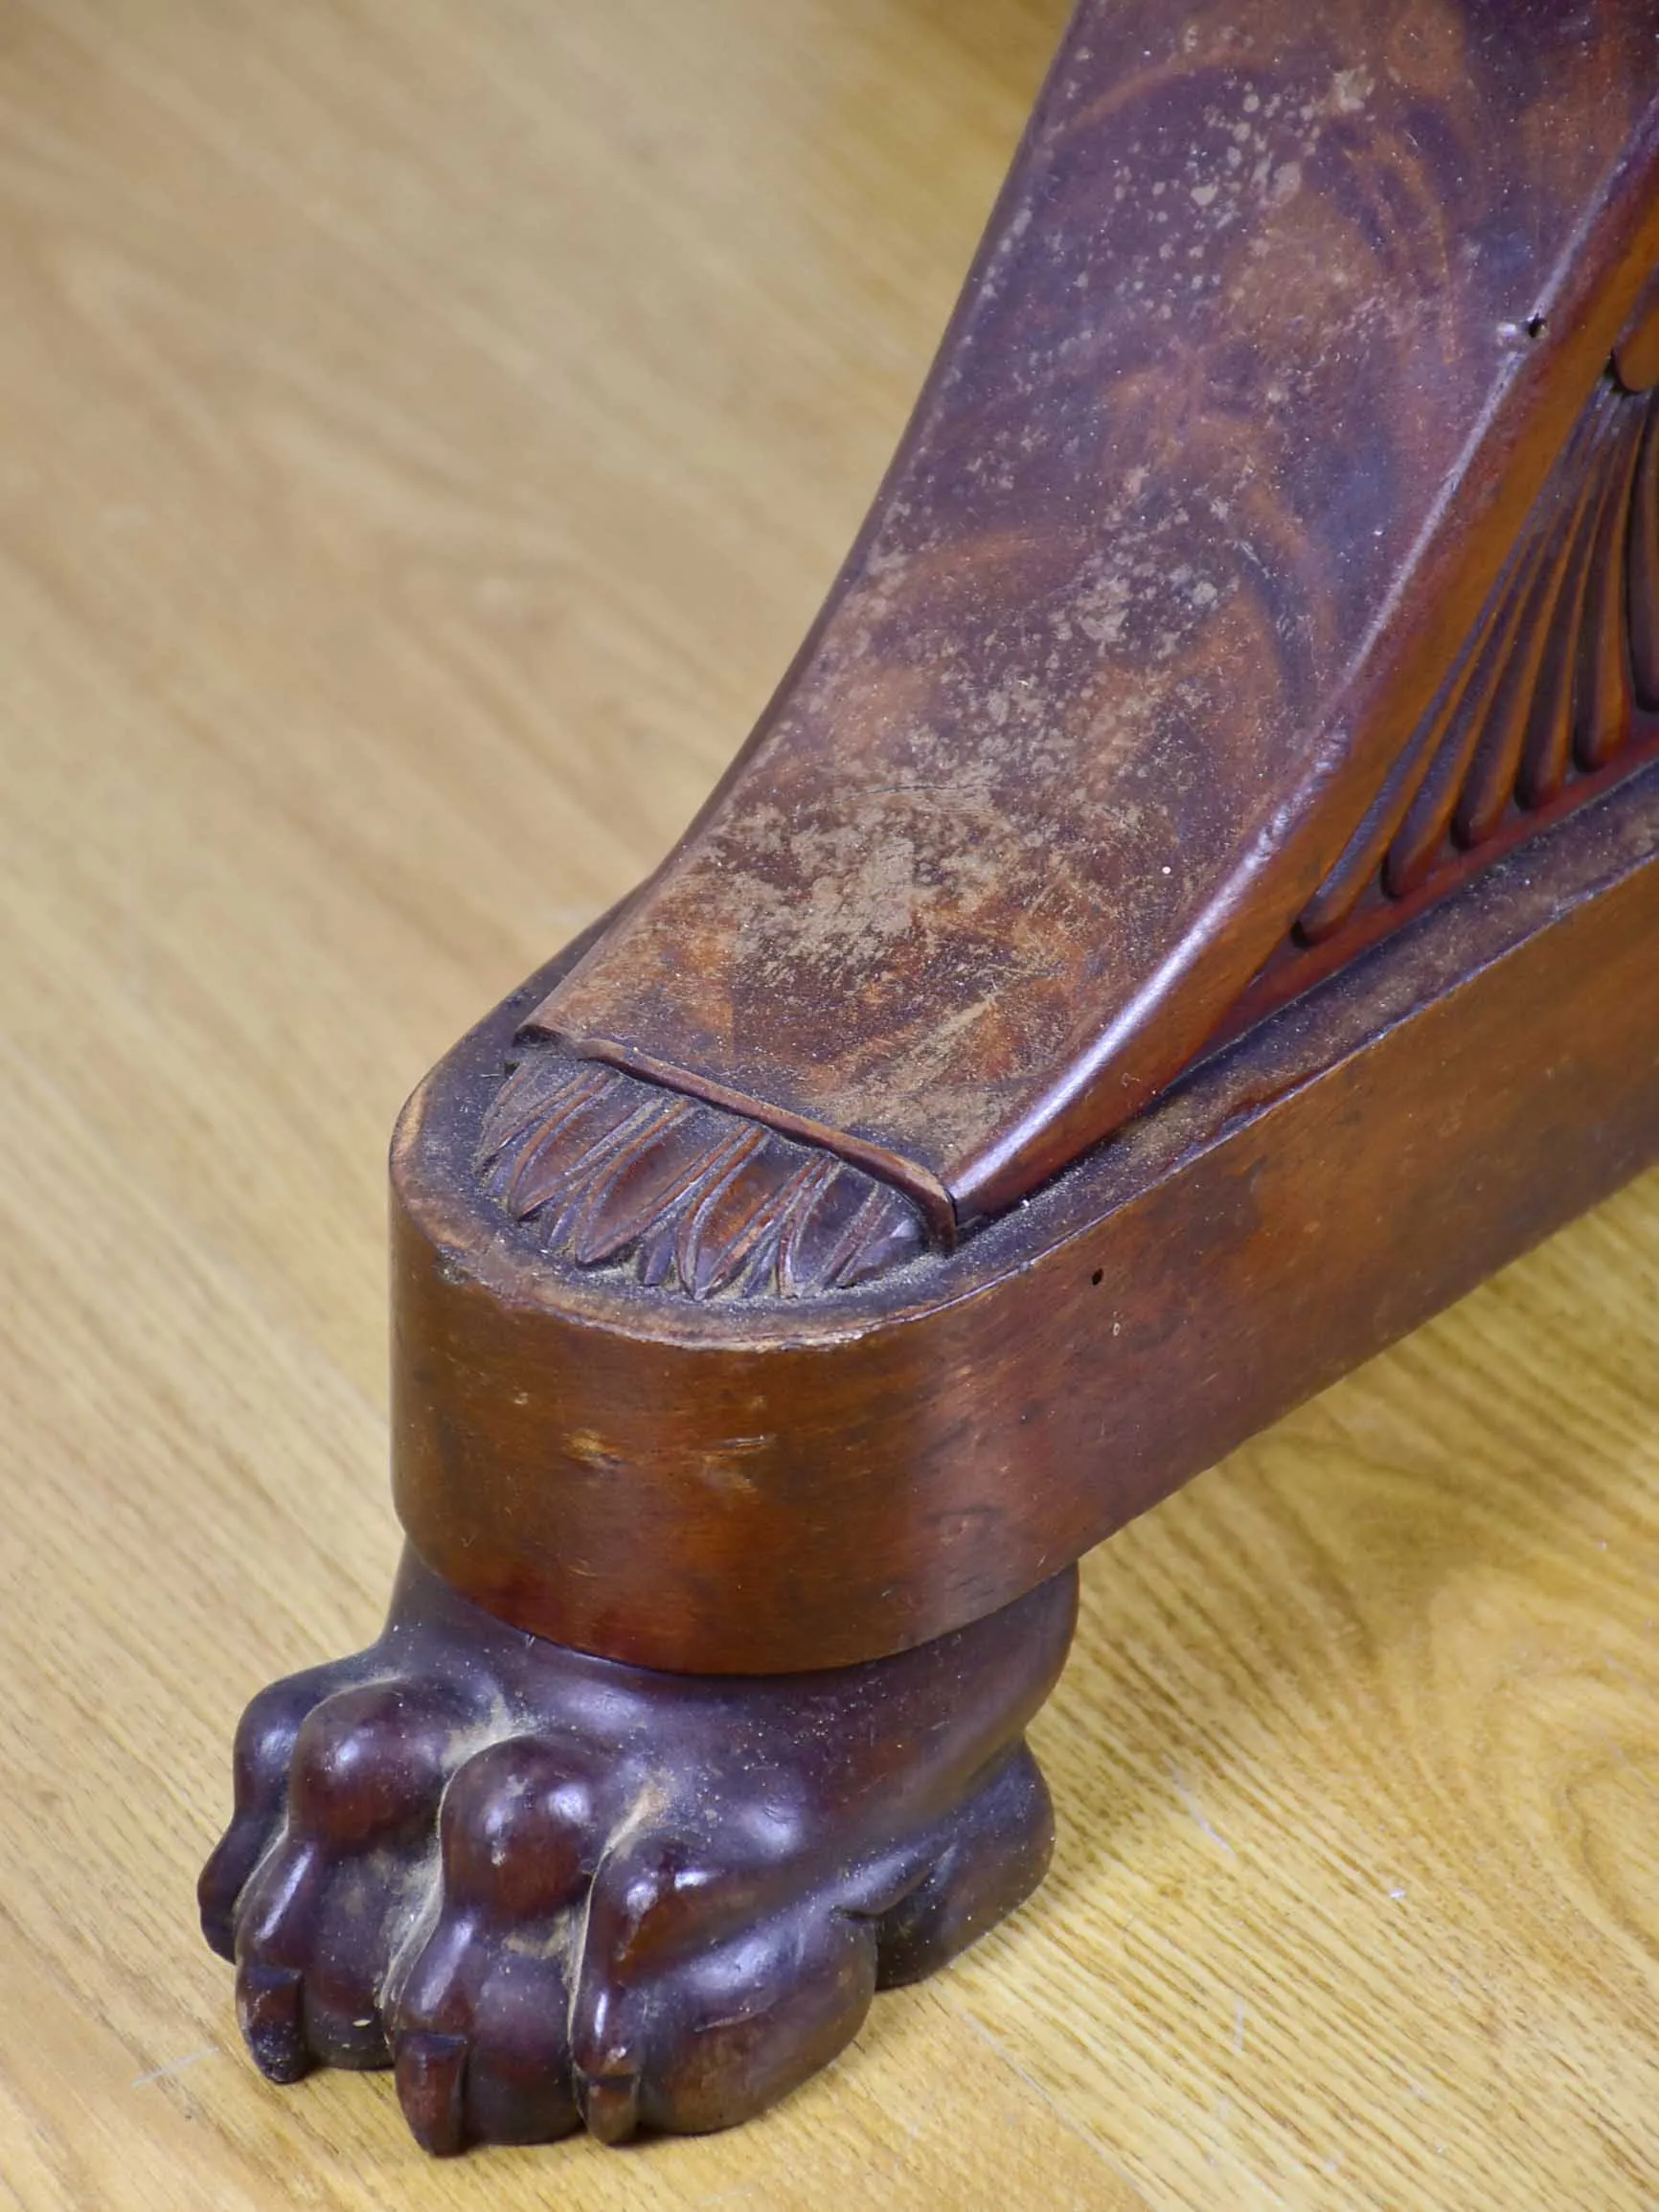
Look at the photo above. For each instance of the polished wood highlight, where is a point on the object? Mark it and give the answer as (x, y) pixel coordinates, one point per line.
(336, 505)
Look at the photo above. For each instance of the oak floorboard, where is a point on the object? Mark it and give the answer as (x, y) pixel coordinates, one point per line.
(424, 432)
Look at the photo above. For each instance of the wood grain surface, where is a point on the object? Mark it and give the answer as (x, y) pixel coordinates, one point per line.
(424, 433)
(1238, 420)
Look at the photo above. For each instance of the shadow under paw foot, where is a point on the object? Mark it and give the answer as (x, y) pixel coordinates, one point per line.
(551, 1890)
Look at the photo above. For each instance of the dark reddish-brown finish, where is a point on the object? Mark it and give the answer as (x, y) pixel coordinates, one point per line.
(551, 1890)
(777, 1486)
(1283, 319)
(1553, 700)
(1636, 355)
(1218, 810)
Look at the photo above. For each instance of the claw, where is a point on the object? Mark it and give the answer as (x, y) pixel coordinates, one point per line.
(264, 1749)
(430, 2071)
(270, 2004)
(610, 2104)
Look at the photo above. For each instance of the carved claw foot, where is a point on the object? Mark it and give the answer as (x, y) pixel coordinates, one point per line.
(549, 1889)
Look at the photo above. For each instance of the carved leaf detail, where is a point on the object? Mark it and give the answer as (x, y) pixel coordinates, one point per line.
(613, 1171)
(1556, 683)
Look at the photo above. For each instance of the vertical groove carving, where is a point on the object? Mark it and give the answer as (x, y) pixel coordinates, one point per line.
(1555, 684)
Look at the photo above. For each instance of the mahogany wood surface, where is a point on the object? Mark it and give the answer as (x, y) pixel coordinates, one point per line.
(802, 1483)
(755, 1395)
(1353, 1901)
(706, 1355)
(1275, 335)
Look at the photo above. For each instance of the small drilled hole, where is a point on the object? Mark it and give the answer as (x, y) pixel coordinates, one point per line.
(1536, 326)
(1098, 1275)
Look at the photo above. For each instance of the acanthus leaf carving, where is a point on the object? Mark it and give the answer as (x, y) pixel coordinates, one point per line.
(609, 1171)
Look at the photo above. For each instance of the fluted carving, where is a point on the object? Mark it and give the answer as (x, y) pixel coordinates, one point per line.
(1554, 686)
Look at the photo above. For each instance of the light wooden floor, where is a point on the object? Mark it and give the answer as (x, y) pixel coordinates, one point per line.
(424, 430)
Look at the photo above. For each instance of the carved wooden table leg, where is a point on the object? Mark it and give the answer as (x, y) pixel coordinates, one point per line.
(1191, 910)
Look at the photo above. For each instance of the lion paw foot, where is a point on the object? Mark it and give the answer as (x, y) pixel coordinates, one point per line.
(551, 1890)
